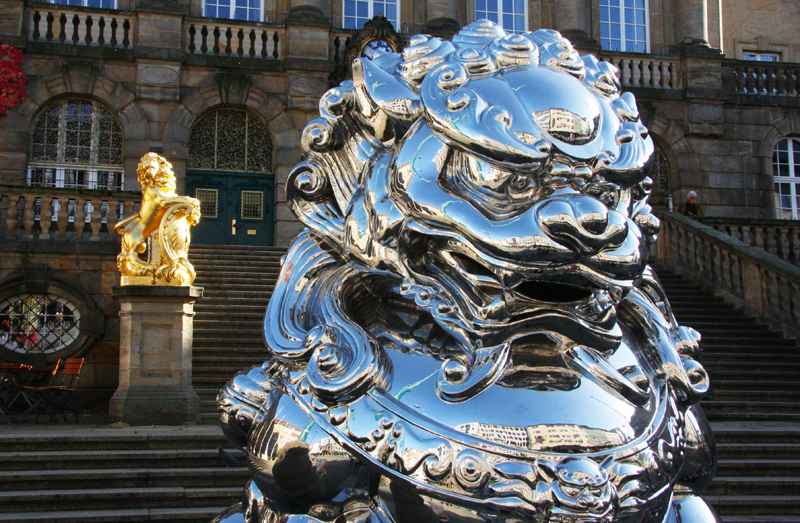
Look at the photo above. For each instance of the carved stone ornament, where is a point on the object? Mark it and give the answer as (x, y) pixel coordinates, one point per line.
(164, 218)
(467, 329)
(379, 33)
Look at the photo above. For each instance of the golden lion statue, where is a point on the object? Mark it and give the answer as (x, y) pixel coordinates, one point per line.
(165, 218)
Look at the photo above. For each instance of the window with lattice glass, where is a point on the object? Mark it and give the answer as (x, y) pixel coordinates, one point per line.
(252, 205)
(38, 323)
(209, 199)
(76, 144)
(659, 171)
(786, 170)
(624, 26)
(230, 140)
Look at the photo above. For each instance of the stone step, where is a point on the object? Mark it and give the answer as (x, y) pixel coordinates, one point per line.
(756, 505)
(100, 459)
(122, 498)
(170, 515)
(196, 477)
(756, 433)
(758, 467)
(760, 407)
(753, 416)
(753, 486)
(131, 439)
(756, 395)
(758, 451)
(756, 342)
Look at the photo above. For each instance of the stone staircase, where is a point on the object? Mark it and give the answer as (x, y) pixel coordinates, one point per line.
(69, 474)
(237, 283)
(755, 412)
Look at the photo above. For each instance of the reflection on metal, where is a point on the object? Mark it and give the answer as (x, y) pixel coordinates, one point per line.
(164, 218)
(467, 330)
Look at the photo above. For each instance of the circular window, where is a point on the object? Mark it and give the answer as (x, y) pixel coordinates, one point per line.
(42, 324)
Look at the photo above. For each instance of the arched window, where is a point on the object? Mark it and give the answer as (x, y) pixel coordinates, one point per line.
(230, 140)
(786, 169)
(659, 171)
(76, 144)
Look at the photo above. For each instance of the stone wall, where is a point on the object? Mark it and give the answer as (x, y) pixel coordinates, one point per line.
(769, 26)
(93, 268)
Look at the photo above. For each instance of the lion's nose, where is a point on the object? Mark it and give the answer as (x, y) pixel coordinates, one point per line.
(583, 222)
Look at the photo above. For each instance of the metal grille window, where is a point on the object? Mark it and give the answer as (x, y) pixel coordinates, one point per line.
(786, 169)
(358, 12)
(624, 26)
(33, 323)
(230, 140)
(252, 205)
(76, 144)
(510, 14)
(659, 171)
(209, 199)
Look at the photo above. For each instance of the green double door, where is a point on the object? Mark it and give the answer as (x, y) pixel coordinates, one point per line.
(236, 208)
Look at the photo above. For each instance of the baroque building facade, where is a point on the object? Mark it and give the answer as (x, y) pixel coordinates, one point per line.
(223, 89)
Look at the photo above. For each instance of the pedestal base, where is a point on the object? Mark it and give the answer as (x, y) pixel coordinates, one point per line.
(155, 356)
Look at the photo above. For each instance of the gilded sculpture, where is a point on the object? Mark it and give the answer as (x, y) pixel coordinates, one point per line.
(164, 218)
(468, 329)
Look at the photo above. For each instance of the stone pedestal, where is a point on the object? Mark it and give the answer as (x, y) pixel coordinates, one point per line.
(155, 356)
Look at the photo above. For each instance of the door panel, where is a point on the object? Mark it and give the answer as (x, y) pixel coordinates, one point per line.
(236, 208)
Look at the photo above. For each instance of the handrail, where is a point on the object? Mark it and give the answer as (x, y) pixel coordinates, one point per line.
(778, 237)
(764, 78)
(50, 214)
(232, 38)
(642, 70)
(750, 277)
(80, 26)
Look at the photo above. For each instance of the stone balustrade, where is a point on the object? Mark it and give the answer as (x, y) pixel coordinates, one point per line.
(764, 78)
(339, 40)
(32, 213)
(754, 279)
(637, 70)
(63, 25)
(779, 237)
(213, 37)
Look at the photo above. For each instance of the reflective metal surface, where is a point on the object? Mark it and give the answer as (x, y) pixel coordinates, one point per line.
(467, 330)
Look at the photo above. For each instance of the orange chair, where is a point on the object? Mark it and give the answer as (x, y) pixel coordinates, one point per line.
(57, 397)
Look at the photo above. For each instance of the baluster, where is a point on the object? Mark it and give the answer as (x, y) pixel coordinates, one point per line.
(240, 46)
(49, 21)
(76, 22)
(770, 240)
(96, 218)
(794, 296)
(126, 29)
(336, 58)
(794, 80)
(275, 45)
(35, 34)
(111, 220)
(264, 44)
(89, 23)
(228, 38)
(114, 26)
(251, 36)
(749, 80)
(192, 36)
(12, 217)
(128, 209)
(46, 217)
(62, 218)
(780, 82)
(761, 80)
(62, 29)
(215, 49)
(28, 217)
(204, 40)
(101, 31)
(646, 73)
(79, 218)
(794, 244)
(769, 80)
(666, 75)
(656, 72)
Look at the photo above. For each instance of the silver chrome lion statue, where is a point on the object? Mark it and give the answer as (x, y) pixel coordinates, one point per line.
(467, 330)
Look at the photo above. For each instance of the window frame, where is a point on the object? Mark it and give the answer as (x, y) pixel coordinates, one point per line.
(792, 179)
(500, 15)
(233, 7)
(85, 3)
(623, 9)
(371, 12)
(761, 56)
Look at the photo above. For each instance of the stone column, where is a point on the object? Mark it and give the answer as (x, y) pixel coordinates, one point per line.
(442, 16)
(306, 11)
(572, 19)
(691, 22)
(155, 360)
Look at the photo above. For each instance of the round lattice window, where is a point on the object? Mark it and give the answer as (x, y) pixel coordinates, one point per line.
(40, 324)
